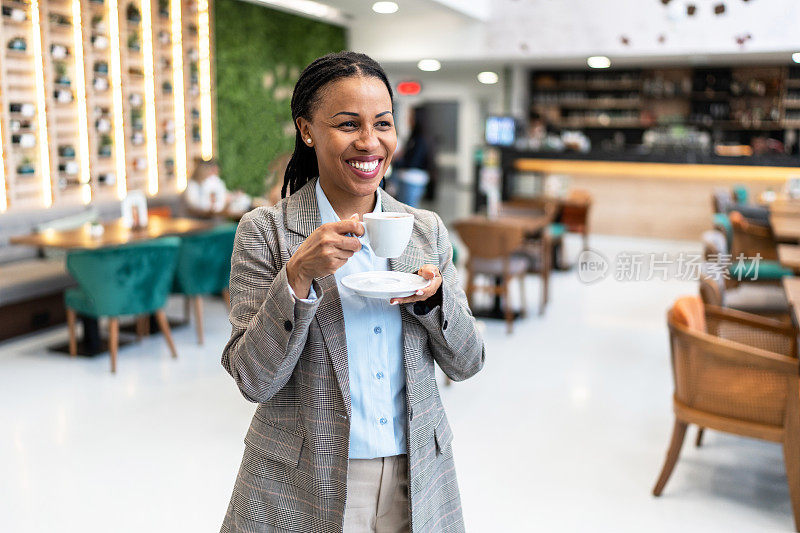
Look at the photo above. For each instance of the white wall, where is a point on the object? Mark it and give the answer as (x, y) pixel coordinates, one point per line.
(539, 30)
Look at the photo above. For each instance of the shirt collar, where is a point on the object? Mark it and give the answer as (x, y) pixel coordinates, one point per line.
(328, 214)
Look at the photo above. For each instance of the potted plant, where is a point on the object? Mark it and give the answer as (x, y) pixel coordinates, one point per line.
(136, 119)
(133, 41)
(105, 146)
(26, 167)
(133, 14)
(61, 73)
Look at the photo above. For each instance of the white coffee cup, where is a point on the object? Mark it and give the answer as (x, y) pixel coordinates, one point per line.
(388, 232)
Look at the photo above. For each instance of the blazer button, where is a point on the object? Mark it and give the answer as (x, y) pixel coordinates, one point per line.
(287, 325)
(444, 326)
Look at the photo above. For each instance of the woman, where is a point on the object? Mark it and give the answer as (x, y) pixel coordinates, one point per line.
(350, 433)
(413, 167)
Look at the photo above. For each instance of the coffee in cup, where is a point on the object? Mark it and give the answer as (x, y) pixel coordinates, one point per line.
(388, 232)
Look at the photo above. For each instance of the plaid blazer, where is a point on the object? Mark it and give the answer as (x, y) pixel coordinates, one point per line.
(291, 358)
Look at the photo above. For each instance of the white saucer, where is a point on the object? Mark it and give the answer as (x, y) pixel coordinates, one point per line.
(385, 284)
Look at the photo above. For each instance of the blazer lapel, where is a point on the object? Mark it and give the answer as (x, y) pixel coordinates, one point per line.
(302, 218)
(330, 319)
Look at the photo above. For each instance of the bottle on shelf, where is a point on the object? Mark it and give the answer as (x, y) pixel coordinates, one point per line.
(66, 151)
(15, 14)
(59, 51)
(63, 96)
(23, 140)
(25, 110)
(68, 167)
(18, 44)
(26, 168)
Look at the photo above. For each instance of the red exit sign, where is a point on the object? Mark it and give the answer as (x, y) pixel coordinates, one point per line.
(409, 87)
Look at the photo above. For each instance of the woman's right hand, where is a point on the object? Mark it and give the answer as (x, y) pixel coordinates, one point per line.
(322, 253)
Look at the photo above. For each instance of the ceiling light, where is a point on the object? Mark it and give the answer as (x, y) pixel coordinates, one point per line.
(429, 65)
(488, 77)
(796, 57)
(598, 62)
(385, 7)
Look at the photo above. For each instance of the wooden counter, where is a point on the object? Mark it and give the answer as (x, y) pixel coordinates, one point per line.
(660, 200)
(656, 170)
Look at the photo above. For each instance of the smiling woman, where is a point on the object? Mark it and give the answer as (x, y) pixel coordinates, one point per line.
(350, 432)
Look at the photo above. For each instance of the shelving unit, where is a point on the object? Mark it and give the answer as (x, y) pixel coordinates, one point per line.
(743, 99)
(23, 174)
(87, 157)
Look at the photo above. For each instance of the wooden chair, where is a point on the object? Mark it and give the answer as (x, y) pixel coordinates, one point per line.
(491, 246)
(575, 213)
(752, 239)
(738, 373)
(755, 298)
(540, 249)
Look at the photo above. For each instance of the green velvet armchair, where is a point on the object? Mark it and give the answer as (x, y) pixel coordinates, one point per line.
(133, 279)
(204, 268)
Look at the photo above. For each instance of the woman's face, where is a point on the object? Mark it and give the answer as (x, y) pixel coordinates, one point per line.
(352, 132)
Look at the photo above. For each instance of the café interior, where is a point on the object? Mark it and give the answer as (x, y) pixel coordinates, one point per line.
(620, 180)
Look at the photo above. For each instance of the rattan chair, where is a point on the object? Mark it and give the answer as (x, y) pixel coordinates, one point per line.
(738, 373)
(756, 298)
(751, 239)
(491, 245)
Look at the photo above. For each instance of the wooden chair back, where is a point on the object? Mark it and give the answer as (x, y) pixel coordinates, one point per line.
(732, 371)
(489, 239)
(575, 212)
(712, 290)
(751, 239)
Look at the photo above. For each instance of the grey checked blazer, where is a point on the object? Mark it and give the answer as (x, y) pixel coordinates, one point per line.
(291, 358)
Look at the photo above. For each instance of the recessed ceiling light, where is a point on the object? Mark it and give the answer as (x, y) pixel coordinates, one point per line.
(796, 57)
(385, 7)
(488, 77)
(429, 65)
(598, 62)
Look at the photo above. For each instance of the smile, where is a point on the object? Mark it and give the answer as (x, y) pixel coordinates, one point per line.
(365, 166)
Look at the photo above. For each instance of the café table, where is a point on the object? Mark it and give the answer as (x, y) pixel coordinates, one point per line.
(789, 256)
(785, 207)
(791, 285)
(114, 233)
(785, 228)
(533, 225)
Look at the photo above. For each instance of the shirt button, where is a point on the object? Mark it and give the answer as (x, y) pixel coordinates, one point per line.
(379, 375)
(377, 330)
(287, 325)
(383, 421)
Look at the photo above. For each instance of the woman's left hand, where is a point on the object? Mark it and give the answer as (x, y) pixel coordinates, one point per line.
(430, 272)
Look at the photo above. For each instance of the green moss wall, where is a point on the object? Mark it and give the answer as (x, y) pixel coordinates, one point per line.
(259, 54)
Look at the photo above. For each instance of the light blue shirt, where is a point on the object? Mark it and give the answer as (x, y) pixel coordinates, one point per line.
(374, 333)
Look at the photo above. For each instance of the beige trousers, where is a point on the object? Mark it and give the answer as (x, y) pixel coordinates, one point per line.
(377, 495)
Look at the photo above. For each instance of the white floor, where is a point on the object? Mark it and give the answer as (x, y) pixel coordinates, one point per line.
(565, 429)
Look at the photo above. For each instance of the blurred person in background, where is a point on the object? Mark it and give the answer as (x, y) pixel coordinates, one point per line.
(206, 195)
(414, 166)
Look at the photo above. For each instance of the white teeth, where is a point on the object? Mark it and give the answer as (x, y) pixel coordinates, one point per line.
(364, 166)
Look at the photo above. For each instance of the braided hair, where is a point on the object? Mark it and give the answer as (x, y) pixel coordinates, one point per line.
(302, 166)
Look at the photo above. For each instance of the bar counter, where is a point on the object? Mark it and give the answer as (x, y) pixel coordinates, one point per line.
(663, 195)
